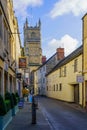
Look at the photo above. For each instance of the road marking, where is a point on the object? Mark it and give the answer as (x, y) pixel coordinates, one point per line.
(49, 120)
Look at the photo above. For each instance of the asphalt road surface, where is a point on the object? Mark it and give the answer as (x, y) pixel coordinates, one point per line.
(62, 116)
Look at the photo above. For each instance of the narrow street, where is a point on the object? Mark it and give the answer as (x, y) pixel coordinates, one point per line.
(62, 116)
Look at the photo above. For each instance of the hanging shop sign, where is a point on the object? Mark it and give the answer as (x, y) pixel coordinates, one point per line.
(22, 62)
(5, 66)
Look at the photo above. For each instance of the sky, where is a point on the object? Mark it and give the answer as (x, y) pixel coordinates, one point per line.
(61, 22)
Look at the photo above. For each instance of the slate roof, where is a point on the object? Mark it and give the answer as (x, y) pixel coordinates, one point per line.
(46, 61)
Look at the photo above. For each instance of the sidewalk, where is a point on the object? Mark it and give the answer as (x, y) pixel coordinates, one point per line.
(76, 106)
(23, 120)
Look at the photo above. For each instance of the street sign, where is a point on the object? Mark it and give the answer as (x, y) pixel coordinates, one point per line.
(80, 78)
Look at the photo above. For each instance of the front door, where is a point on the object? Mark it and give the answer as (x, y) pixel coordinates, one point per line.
(86, 91)
(76, 93)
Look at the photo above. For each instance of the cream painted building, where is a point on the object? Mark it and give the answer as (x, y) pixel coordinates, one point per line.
(84, 40)
(9, 42)
(62, 81)
(40, 73)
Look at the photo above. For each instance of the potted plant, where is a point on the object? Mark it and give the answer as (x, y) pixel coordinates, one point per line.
(5, 113)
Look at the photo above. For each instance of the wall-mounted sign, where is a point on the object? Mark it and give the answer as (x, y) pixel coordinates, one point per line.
(22, 62)
(5, 66)
(80, 78)
(19, 75)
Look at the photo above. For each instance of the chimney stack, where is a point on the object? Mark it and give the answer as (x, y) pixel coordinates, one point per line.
(43, 59)
(60, 53)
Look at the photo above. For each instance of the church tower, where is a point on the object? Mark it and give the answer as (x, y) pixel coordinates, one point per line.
(32, 45)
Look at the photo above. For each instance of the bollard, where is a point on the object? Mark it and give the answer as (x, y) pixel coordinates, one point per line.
(33, 111)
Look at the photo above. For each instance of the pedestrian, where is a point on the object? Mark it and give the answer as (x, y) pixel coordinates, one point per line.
(30, 97)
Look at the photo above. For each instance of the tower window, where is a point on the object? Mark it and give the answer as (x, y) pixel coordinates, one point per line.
(33, 35)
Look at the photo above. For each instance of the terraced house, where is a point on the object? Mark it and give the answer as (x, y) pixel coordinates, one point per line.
(10, 48)
(40, 78)
(62, 80)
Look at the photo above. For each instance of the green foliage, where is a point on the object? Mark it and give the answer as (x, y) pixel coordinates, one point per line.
(9, 96)
(8, 104)
(14, 98)
(3, 109)
(17, 97)
(16, 94)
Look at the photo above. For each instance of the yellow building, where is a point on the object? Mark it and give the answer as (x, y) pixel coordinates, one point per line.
(63, 81)
(84, 39)
(9, 40)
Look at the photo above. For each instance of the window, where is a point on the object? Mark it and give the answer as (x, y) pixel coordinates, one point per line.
(60, 72)
(5, 35)
(65, 71)
(0, 25)
(56, 87)
(44, 68)
(43, 80)
(27, 50)
(60, 87)
(0, 81)
(40, 70)
(47, 88)
(33, 35)
(75, 65)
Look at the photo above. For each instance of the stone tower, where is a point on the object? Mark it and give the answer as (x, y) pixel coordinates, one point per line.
(32, 45)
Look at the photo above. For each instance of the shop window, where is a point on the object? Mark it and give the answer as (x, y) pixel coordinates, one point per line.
(0, 81)
(10, 83)
(5, 82)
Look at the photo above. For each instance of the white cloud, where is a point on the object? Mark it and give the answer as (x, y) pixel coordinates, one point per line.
(26, 3)
(21, 6)
(67, 42)
(21, 10)
(66, 6)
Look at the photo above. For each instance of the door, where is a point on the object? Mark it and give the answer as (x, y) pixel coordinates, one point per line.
(76, 93)
(86, 91)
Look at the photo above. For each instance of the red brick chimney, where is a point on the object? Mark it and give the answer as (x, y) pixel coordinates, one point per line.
(43, 59)
(60, 53)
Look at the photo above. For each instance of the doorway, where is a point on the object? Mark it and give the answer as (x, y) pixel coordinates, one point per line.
(86, 92)
(76, 93)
